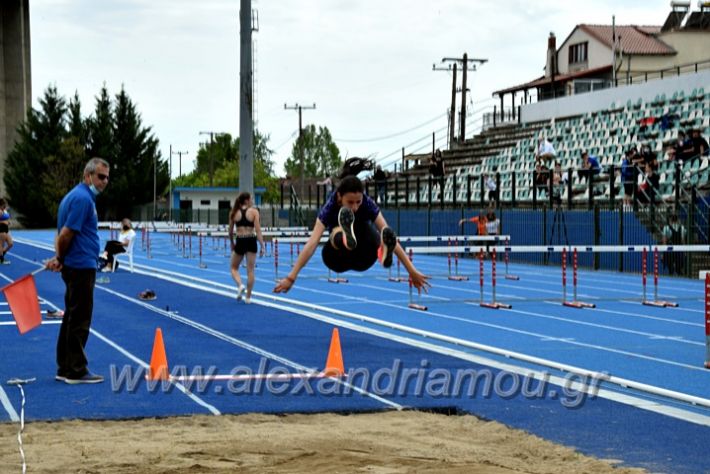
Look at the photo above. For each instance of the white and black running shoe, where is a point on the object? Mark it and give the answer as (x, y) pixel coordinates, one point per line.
(346, 221)
(388, 242)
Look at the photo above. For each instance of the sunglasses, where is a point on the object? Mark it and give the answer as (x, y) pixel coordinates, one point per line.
(102, 177)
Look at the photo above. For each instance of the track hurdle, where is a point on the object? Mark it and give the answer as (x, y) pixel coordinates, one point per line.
(707, 320)
(455, 276)
(655, 302)
(508, 276)
(201, 264)
(335, 279)
(493, 304)
(398, 278)
(575, 303)
(412, 305)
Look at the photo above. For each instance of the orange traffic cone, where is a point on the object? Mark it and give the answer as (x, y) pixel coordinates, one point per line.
(158, 360)
(334, 366)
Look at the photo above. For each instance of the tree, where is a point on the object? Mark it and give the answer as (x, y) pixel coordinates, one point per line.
(134, 155)
(55, 143)
(225, 155)
(40, 136)
(321, 157)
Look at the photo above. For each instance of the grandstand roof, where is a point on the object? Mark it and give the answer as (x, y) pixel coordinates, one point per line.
(558, 78)
(638, 40)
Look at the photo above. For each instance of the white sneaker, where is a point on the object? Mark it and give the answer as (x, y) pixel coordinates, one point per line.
(247, 300)
(240, 292)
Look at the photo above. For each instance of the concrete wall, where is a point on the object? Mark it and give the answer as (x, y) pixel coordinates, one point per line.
(600, 100)
(15, 74)
(214, 196)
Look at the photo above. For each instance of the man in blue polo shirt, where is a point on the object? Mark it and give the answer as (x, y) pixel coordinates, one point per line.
(76, 255)
(590, 166)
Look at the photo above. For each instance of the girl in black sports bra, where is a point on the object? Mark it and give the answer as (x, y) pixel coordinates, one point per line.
(5, 237)
(244, 222)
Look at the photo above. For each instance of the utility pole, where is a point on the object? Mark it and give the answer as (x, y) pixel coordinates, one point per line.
(464, 62)
(452, 113)
(300, 109)
(246, 96)
(211, 154)
(170, 183)
(179, 154)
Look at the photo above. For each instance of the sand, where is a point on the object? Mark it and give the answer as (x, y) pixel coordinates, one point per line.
(386, 442)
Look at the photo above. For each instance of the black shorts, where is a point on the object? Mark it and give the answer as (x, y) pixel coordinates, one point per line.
(245, 244)
(359, 259)
(628, 188)
(4, 229)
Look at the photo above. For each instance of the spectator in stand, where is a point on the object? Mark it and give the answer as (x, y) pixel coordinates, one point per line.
(629, 176)
(649, 186)
(699, 144)
(437, 168)
(674, 233)
(683, 147)
(545, 150)
(590, 166)
(492, 188)
(542, 175)
(480, 222)
(649, 157)
(327, 184)
(559, 181)
(380, 178)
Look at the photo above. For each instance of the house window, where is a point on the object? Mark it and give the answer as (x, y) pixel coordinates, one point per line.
(205, 202)
(578, 53)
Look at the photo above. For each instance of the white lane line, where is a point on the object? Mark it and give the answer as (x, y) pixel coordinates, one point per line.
(237, 342)
(211, 408)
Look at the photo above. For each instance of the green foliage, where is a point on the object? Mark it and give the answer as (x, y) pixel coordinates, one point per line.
(223, 151)
(321, 157)
(55, 143)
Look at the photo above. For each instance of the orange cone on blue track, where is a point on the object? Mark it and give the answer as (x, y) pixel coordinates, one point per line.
(158, 360)
(334, 366)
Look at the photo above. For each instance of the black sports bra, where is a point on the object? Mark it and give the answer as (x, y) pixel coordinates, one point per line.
(244, 222)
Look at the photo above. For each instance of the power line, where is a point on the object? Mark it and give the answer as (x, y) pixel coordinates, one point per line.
(396, 134)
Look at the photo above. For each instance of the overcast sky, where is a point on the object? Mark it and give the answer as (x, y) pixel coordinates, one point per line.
(366, 64)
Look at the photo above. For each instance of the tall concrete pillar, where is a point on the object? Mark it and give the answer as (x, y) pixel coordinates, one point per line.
(15, 74)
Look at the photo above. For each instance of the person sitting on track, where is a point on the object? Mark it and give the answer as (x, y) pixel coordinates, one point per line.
(353, 220)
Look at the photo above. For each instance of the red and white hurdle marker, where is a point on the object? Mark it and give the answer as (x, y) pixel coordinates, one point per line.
(455, 276)
(575, 303)
(493, 304)
(508, 276)
(655, 302)
(418, 306)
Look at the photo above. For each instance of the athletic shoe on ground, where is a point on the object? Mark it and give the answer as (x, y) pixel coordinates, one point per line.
(55, 314)
(60, 378)
(88, 378)
(388, 242)
(247, 300)
(346, 221)
(240, 292)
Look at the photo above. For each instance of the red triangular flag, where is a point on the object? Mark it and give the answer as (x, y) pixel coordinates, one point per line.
(22, 298)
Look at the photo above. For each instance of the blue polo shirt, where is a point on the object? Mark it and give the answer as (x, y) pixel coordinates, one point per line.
(594, 164)
(328, 215)
(77, 211)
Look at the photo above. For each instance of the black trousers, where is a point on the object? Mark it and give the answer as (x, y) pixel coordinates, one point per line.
(362, 257)
(74, 331)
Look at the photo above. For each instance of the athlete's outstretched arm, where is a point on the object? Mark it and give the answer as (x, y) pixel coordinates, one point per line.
(285, 284)
(419, 280)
